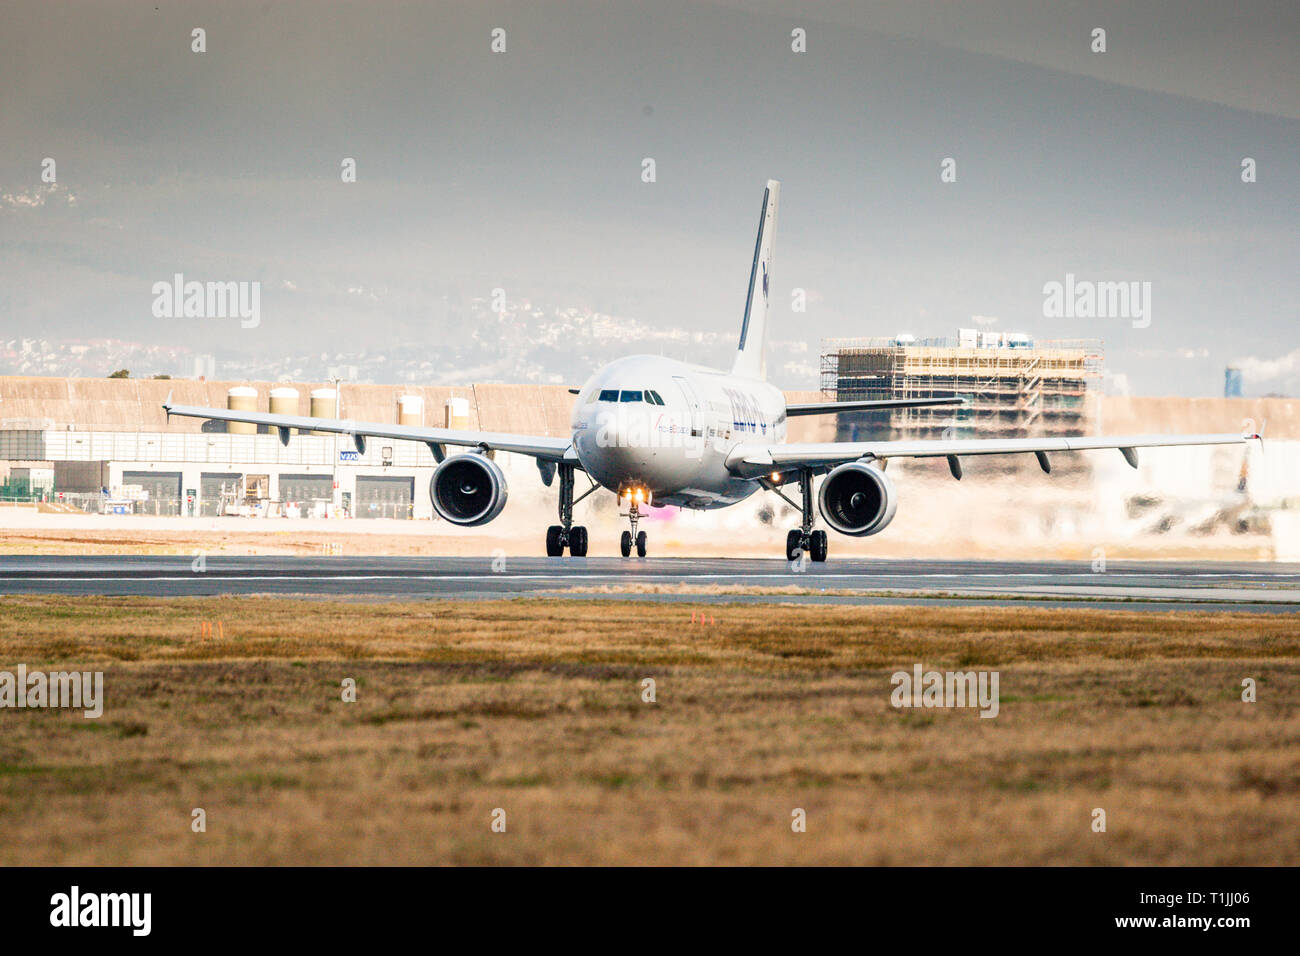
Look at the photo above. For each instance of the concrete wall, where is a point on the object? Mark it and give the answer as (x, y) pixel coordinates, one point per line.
(1143, 415)
(97, 404)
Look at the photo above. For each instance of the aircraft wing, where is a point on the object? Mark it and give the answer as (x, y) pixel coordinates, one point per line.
(866, 405)
(537, 446)
(751, 459)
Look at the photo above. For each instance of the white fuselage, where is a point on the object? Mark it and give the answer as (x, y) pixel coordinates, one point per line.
(670, 429)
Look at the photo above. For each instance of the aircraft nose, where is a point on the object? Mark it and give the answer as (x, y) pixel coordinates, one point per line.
(624, 438)
(629, 440)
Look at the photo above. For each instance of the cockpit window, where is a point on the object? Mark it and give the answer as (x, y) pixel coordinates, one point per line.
(646, 395)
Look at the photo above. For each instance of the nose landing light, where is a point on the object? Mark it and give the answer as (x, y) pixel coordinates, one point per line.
(631, 494)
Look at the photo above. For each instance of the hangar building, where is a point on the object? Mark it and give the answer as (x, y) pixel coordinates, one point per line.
(107, 445)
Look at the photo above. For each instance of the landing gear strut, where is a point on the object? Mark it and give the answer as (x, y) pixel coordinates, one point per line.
(804, 539)
(633, 537)
(562, 535)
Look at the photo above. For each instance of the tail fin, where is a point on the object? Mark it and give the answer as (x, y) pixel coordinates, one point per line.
(750, 357)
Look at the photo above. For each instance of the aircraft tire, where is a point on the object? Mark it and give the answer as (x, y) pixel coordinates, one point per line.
(819, 546)
(792, 548)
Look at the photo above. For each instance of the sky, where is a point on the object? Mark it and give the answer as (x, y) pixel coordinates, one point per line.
(523, 170)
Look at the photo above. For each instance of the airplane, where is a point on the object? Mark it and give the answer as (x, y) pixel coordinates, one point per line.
(664, 433)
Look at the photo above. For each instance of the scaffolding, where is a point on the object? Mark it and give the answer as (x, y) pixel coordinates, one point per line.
(1019, 392)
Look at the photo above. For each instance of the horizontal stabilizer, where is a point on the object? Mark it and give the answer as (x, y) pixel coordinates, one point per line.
(867, 405)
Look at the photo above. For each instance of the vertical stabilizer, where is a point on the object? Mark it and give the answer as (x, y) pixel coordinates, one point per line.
(751, 359)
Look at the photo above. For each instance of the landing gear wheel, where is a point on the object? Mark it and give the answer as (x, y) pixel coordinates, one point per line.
(803, 544)
(565, 535)
(793, 544)
(625, 543)
(818, 546)
(640, 544)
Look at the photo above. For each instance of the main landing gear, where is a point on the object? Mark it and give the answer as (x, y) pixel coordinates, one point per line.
(804, 540)
(564, 535)
(633, 537)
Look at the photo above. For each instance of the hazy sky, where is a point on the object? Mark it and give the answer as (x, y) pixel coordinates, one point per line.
(522, 170)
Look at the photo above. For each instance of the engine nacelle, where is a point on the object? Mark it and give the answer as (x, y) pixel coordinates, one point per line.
(858, 499)
(468, 489)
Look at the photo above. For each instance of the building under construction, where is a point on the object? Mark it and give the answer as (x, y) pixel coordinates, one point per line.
(1015, 387)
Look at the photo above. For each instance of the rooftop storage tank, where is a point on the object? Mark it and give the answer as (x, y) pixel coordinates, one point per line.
(284, 401)
(324, 404)
(457, 413)
(410, 410)
(241, 398)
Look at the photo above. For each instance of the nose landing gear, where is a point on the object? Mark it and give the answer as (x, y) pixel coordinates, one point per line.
(804, 540)
(633, 537)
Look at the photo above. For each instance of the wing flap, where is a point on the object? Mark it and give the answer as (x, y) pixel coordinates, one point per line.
(751, 459)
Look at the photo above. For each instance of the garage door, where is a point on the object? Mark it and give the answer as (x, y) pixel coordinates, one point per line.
(384, 496)
(162, 491)
(210, 488)
(306, 491)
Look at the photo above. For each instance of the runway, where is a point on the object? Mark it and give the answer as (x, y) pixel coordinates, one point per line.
(1145, 586)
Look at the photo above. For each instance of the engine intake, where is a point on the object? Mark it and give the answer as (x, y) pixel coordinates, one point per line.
(468, 489)
(858, 499)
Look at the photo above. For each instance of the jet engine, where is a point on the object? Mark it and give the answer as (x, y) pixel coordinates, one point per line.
(858, 499)
(468, 489)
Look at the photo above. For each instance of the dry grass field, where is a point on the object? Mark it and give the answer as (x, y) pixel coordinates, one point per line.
(534, 707)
